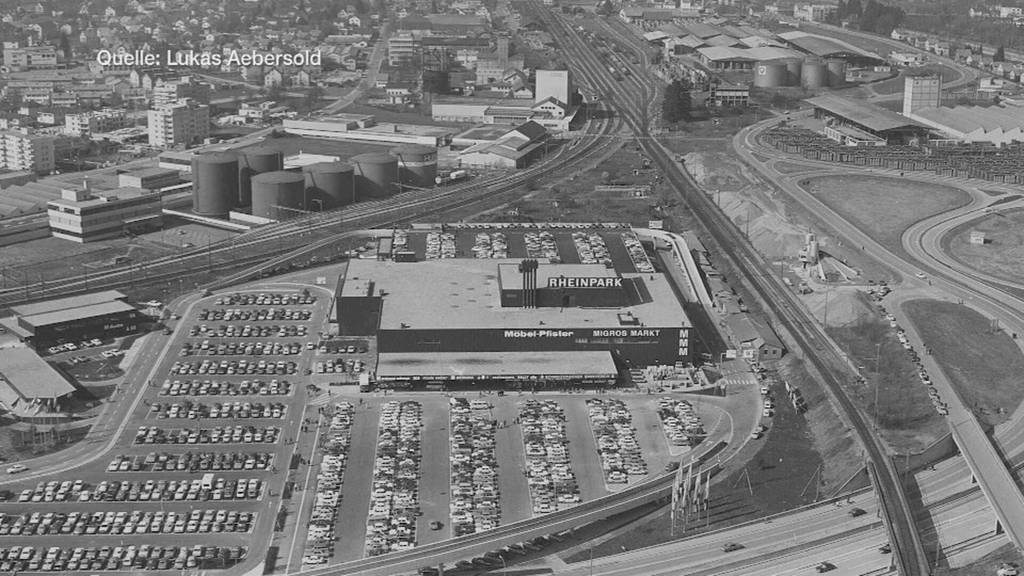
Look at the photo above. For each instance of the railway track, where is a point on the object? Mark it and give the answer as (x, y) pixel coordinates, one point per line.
(728, 241)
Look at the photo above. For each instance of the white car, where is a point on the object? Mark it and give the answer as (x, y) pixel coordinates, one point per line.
(153, 304)
(920, 275)
(15, 468)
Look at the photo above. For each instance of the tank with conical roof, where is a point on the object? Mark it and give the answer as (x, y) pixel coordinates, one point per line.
(330, 183)
(376, 174)
(252, 162)
(214, 183)
(417, 164)
(278, 195)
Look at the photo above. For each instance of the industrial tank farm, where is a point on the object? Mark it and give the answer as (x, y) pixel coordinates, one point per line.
(252, 162)
(278, 195)
(215, 188)
(417, 165)
(331, 183)
(770, 74)
(814, 74)
(376, 174)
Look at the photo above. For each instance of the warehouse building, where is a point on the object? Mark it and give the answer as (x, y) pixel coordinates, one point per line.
(29, 387)
(857, 123)
(98, 315)
(508, 321)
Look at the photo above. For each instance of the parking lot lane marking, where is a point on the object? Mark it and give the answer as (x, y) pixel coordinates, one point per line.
(305, 486)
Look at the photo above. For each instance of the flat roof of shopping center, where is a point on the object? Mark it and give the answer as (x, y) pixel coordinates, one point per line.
(497, 365)
(464, 293)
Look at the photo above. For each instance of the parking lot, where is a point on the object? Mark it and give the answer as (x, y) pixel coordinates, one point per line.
(197, 470)
(448, 465)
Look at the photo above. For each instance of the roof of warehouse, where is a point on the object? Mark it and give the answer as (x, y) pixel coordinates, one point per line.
(823, 46)
(91, 311)
(28, 375)
(749, 54)
(869, 115)
(66, 303)
(508, 364)
(970, 118)
(464, 293)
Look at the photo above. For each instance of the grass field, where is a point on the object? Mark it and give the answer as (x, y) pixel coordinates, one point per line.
(983, 365)
(1002, 254)
(902, 410)
(883, 207)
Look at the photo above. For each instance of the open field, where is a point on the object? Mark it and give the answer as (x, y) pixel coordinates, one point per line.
(1002, 254)
(901, 407)
(983, 365)
(883, 207)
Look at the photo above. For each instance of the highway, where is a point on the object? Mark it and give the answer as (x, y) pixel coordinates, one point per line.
(726, 241)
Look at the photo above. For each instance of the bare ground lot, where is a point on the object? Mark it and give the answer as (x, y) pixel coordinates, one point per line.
(983, 365)
(883, 207)
(1002, 254)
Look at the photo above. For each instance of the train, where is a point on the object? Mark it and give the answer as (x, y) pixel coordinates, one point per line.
(453, 176)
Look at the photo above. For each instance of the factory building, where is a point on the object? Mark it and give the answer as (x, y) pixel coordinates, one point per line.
(184, 122)
(513, 149)
(857, 123)
(443, 311)
(81, 215)
(149, 178)
(30, 389)
(99, 315)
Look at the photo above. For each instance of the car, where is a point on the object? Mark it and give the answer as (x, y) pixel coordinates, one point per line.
(825, 567)
(15, 468)
(921, 275)
(674, 464)
(885, 548)
(731, 547)
(436, 525)
(855, 512)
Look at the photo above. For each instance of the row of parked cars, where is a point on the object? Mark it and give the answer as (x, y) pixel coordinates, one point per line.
(339, 366)
(541, 245)
(146, 557)
(474, 489)
(266, 299)
(272, 387)
(394, 501)
(680, 422)
(190, 462)
(208, 488)
(617, 445)
(234, 410)
(933, 393)
(217, 435)
(324, 516)
(124, 522)
(71, 346)
(206, 348)
(637, 254)
(253, 314)
(490, 245)
(241, 367)
(440, 245)
(550, 477)
(591, 248)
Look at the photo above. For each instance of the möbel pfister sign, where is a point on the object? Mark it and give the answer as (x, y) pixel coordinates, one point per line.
(601, 282)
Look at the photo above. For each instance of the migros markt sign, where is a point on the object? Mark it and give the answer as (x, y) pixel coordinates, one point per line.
(604, 333)
(563, 282)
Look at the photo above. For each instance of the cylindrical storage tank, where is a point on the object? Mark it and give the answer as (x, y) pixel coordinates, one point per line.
(794, 69)
(214, 183)
(252, 162)
(814, 74)
(770, 74)
(376, 174)
(332, 183)
(836, 72)
(278, 195)
(417, 164)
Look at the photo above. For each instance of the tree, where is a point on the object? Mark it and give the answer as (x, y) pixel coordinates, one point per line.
(675, 104)
(1000, 55)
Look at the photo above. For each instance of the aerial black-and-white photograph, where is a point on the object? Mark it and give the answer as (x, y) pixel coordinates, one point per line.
(511, 287)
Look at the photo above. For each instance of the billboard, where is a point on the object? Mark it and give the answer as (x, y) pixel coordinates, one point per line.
(598, 282)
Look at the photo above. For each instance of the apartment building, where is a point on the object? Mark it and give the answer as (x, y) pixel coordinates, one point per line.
(403, 49)
(22, 150)
(30, 58)
(183, 122)
(170, 91)
(95, 121)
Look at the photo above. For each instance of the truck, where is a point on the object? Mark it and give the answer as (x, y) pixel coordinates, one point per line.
(453, 176)
(207, 481)
(364, 382)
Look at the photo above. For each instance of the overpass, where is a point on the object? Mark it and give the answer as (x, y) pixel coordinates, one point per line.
(990, 472)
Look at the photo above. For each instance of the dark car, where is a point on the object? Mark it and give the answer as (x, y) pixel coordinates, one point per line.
(731, 547)
(825, 567)
(885, 548)
(854, 512)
